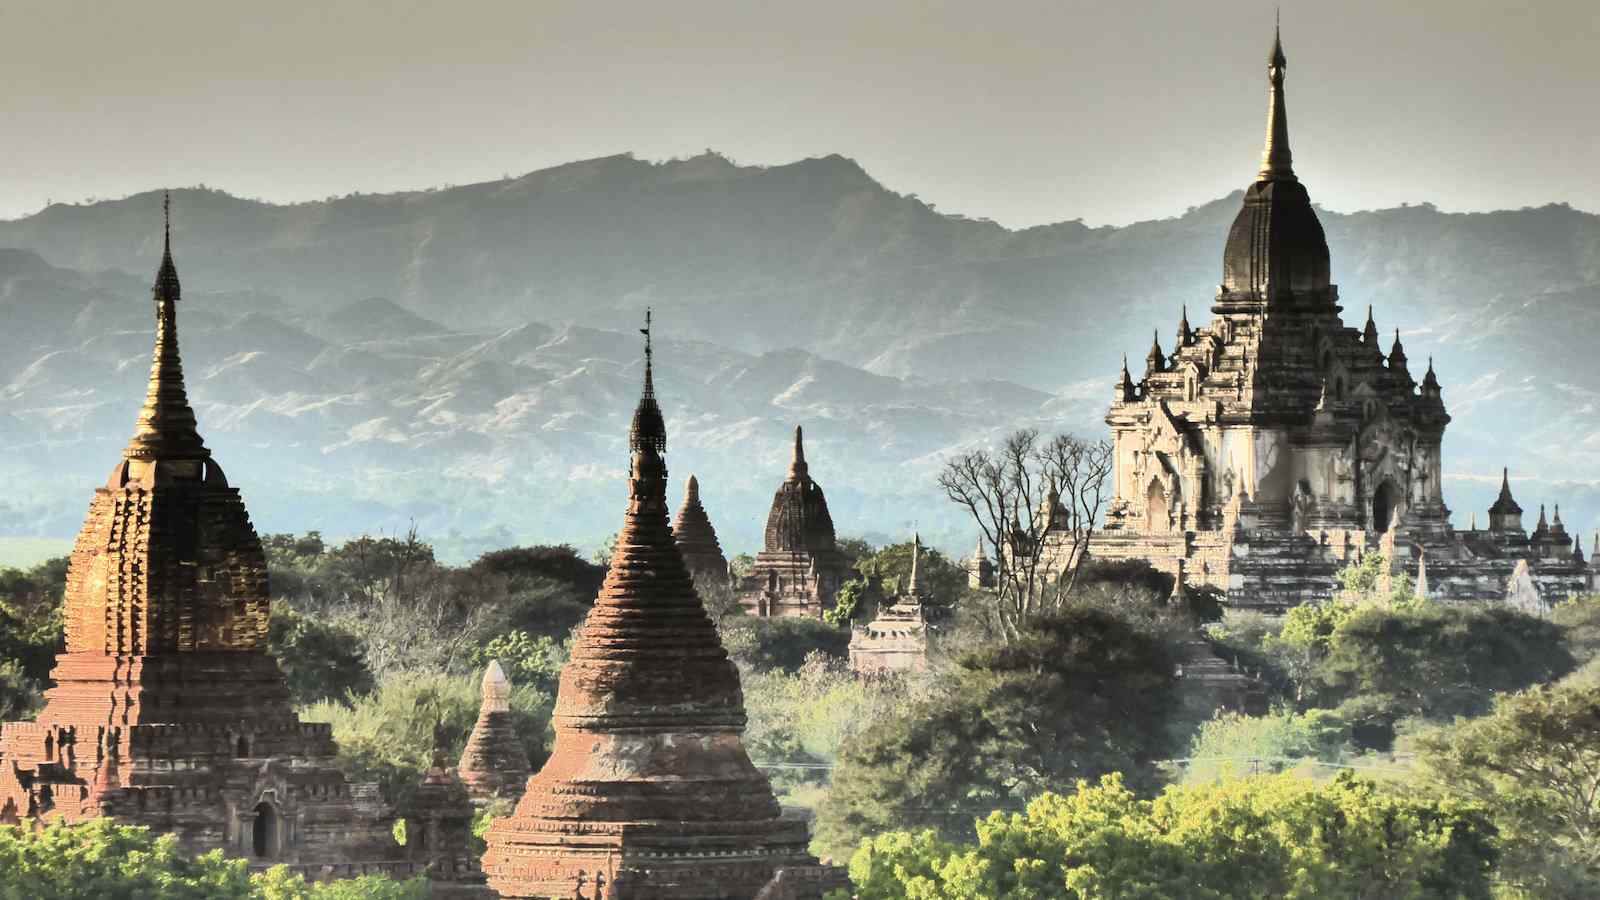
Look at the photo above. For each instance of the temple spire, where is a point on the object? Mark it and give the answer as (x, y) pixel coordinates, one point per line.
(797, 464)
(166, 425)
(1276, 160)
(1185, 333)
(649, 429)
(1369, 335)
(912, 585)
(1155, 361)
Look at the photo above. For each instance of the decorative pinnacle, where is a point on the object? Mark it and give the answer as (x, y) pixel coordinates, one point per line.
(797, 464)
(496, 688)
(916, 557)
(691, 491)
(649, 430)
(1276, 160)
(166, 426)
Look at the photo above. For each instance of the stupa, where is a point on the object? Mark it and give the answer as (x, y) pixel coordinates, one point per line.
(494, 763)
(697, 540)
(897, 639)
(649, 792)
(167, 710)
(800, 569)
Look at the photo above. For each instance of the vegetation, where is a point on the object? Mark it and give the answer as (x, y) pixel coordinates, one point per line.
(1075, 695)
(99, 860)
(1007, 494)
(1268, 838)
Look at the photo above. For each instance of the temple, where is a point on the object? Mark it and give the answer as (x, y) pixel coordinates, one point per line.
(896, 640)
(166, 710)
(1273, 445)
(697, 540)
(494, 765)
(648, 792)
(800, 569)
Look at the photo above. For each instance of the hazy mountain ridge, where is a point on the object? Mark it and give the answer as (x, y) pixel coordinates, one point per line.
(466, 357)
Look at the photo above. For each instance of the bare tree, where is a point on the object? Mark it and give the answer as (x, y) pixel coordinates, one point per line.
(1035, 504)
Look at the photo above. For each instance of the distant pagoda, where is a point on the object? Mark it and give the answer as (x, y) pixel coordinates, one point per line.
(800, 569)
(167, 711)
(697, 540)
(897, 639)
(494, 764)
(649, 792)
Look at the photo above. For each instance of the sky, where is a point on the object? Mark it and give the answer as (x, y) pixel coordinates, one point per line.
(1023, 112)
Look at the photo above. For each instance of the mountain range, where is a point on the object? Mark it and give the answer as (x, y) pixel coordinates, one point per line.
(466, 358)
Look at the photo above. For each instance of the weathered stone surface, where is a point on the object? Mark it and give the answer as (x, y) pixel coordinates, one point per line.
(494, 764)
(166, 710)
(697, 540)
(1275, 444)
(649, 792)
(800, 569)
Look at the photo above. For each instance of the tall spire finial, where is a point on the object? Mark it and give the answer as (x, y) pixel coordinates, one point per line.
(649, 429)
(797, 463)
(913, 588)
(1276, 160)
(166, 426)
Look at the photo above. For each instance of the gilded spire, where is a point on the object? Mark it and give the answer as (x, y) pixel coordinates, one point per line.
(1276, 160)
(166, 426)
(649, 430)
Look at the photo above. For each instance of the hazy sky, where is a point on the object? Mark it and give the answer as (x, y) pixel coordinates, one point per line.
(1023, 112)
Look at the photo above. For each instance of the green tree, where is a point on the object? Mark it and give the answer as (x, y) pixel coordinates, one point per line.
(387, 736)
(1434, 662)
(321, 659)
(1270, 838)
(531, 661)
(1231, 743)
(761, 643)
(1534, 762)
(278, 883)
(31, 631)
(100, 860)
(1074, 695)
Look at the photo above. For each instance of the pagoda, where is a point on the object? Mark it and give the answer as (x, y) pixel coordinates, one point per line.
(648, 793)
(1275, 444)
(494, 764)
(166, 709)
(697, 540)
(896, 640)
(800, 569)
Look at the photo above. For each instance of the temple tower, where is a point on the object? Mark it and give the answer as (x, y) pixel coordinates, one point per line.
(697, 540)
(897, 639)
(800, 568)
(167, 711)
(494, 764)
(649, 792)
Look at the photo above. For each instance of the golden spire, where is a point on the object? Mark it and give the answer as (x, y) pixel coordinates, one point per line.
(1276, 160)
(166, 425)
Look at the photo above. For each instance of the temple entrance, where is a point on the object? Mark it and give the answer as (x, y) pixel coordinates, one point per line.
(1155, 509)
(1384, 502)
(265, 832)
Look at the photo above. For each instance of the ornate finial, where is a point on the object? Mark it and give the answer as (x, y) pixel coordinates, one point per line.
(797, 464)
(1430, 381)
(1556, 520)
(1276, 160)
(166, 426)
(649, 430)
(691, 491)
(912, 583)
(1369, 335)
(1185, 333)
(1397, 353)
(1543, 525)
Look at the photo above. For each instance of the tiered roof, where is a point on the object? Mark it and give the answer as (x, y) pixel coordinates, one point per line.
(695, 537)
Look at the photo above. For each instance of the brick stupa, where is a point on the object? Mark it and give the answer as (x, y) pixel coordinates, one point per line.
(167, 711)
(649, 793)
(494, 764)
(799, 570)
(697, 540)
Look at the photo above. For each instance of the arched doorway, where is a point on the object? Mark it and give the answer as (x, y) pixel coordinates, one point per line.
(1384, 502)
(264, 835)
(1155, 508)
